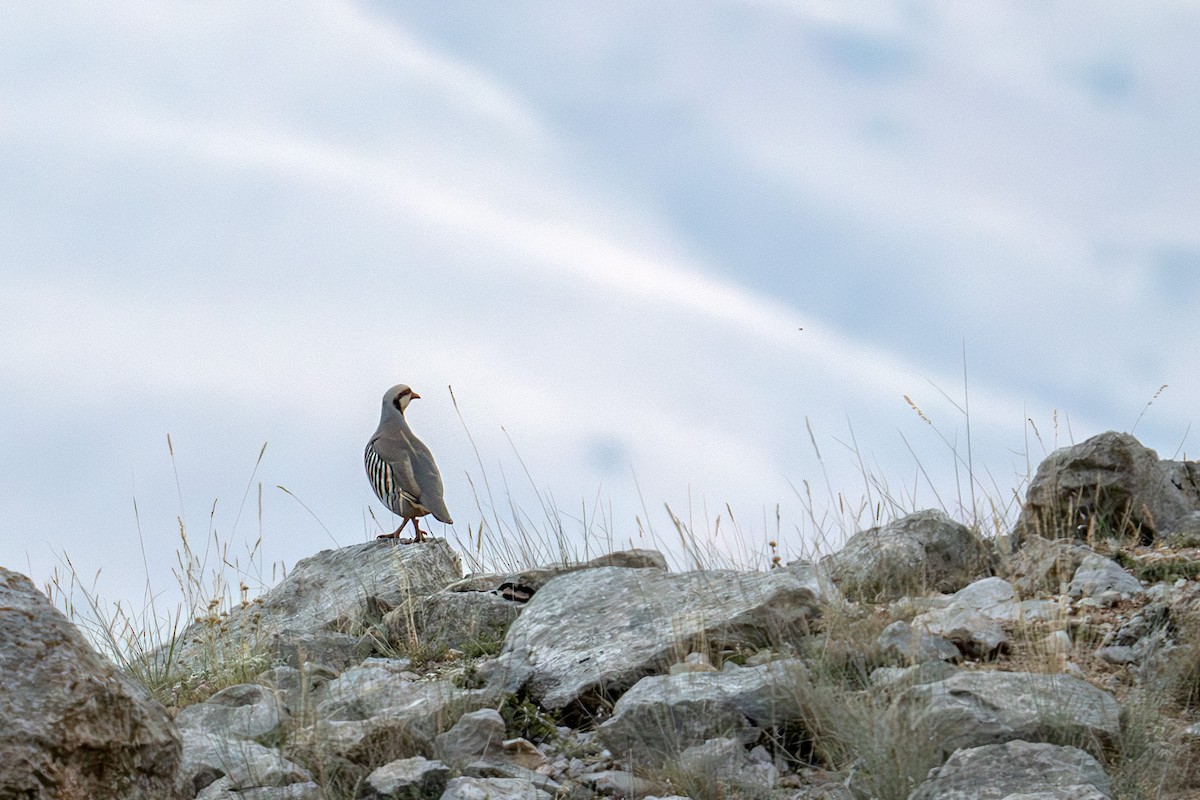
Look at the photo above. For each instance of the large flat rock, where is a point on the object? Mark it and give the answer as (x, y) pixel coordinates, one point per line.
(1017, 769)
(971, 709)
(591, 635)
(317, 612)
(663, 715)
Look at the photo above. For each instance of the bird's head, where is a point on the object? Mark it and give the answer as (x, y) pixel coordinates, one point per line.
(398, 397)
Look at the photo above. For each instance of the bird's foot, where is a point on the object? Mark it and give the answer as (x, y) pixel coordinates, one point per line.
(417, 538)
(398, 540)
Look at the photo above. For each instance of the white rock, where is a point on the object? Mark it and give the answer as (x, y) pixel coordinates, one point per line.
(410, 776)
(1016, 769)
(492, 789)
(970, 709)
(595, 633)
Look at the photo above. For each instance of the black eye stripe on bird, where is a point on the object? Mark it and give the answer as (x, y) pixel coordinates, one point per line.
(401, 468)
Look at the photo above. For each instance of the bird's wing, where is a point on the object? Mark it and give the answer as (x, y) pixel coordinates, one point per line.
(397, 457)
(429, 479)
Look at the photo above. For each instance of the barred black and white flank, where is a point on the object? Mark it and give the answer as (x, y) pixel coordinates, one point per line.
(401, 468)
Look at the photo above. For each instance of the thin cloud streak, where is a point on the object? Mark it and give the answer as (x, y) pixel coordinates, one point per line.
(608, 254)
(558, 249)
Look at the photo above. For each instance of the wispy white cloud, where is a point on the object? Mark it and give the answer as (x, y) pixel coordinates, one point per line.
(368, 200)
(448, 76)
(573, 248)
(872, 17)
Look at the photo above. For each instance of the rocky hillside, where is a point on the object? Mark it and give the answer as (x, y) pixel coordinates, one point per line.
(921, 661)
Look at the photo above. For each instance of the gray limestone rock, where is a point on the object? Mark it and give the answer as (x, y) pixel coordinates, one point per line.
(618, 783)
(976, 708)
(384, 687)
(320, 609)
(994, 598)
(223, 789)
(1108, 486)
(223, 738)
(915, 646)
(973, 618)
(493, 789)
(472, 622)
(366, 743)
(476, 735)
(1147, 633)
(924, 551)
(1097, 574)
(302, 648)
(1118, 654)
(244, 711)
(295, 686)
(1044, 566)
(73, 725)
(976, 635)
(663, 715)
(896, 679)
(508, 769)
(378, 712)
(410, 777)
(208, 757)
(723, 767)
(531, 580)
(1185, 477)
(1017, 769)
(219, 739)
(591, 635)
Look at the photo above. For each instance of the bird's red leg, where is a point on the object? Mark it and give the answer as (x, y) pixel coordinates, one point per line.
(394, 534)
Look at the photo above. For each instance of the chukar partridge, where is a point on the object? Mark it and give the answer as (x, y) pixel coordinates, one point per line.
(401, 468)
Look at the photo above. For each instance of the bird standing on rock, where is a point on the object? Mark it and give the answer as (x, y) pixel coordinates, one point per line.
(401, 468)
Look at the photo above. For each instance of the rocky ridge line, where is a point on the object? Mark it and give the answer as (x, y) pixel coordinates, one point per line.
(985, 669)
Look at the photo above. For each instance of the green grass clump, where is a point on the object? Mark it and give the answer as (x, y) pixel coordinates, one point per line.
(1181, 668)
(1166, 570)
(523, 719)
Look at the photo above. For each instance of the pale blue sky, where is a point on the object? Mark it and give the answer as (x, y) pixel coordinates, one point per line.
(603, 225)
